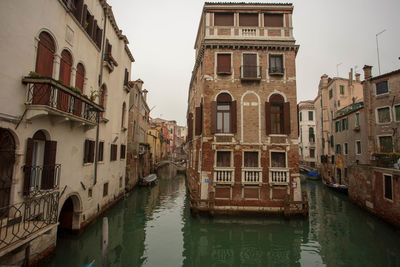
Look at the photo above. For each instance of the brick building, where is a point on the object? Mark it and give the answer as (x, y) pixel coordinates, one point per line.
(242, 113)
(375, 185)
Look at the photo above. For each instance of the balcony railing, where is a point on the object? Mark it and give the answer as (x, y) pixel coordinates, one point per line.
(388, 160)
(24, 221)
(279, 176)
(276, 71)
(253, 33)
(250, 72)
(45, 177)
(60, 100)
(224, 175)
(252, 175)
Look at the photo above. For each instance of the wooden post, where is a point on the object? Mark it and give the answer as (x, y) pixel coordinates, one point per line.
(105, 242)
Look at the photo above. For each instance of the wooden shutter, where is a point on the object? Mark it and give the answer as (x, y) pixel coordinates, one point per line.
(190, 126)
(198, 122)
(99, 36)
(80, 77)
(45, 55)
(28, 166)
(93, 33)
(223, 63)
(86, 152)
(286, 118)
(273, 20)
(249, 65)
(49, 165)
(233, 117)
(248, 19)
(126, 77)
(78, 10)
(268, 118)
(213, 117)
(223, 19)
(91, 151)
(65, 67)
(90, 26)
(101, 149)
(84, 15)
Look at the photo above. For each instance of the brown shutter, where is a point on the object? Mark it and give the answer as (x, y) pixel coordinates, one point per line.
(91, 151)
(28, 165)
(84, 15)
(223, 63)
(268, 117)
(50, 151)
(197, 129)
(273, 20)
(286, 118)
(99, 37)
(86, 152)
(223, 19)
(80, 77)
(190, 126)
(249, 65)
(248, 19)
(78, 10)
(89, 29)
(233, 117)
(213, 117)
(93, 33)
(126, 77)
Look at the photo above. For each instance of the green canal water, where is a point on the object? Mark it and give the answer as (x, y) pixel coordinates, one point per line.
(153, 227)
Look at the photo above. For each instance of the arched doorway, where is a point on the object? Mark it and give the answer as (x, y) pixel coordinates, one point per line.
(69, 218)
(7, 160)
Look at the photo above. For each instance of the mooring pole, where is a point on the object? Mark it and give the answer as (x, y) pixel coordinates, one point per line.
(105, 242)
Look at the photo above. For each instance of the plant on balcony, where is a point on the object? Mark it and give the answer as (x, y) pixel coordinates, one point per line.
(74, 89)
(93, 95)
(33, 74)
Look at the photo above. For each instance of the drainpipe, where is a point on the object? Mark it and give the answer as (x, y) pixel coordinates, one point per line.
(99, 84)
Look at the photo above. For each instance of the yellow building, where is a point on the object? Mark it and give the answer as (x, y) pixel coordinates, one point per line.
(153, 138)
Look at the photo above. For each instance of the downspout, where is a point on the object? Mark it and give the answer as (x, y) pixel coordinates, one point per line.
(99, 84)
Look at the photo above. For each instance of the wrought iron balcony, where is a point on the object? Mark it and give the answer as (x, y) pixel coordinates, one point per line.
(22, 222)
(45, 177)
(224, 175)
(388, 160)
(48, 96)
(276, 71)
(250, 72)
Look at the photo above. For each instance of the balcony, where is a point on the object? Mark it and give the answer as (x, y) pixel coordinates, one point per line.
(250, 73)
(45, 177)
(278, 176)
(388, 160)
(22, 222)
(276, 71)
(46, 96)
(252, 176)
(224, 175)
(251, 33)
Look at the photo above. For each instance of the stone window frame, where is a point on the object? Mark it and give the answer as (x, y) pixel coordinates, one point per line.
(223, 150)
(356, 151)
(279, 151)
(258, 61)
(357, 121)
(379, 142)
(388, 87)
(395, 119)
(384, 187)
(283, 63)
(345, 148)
(252, 150)
(377, 116)
(338, 149)
(216, 64)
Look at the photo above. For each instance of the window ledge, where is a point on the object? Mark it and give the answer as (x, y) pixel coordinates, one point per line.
(104, 120)
(224, 73)
(87, 164)
(278, 135)
(382, 95)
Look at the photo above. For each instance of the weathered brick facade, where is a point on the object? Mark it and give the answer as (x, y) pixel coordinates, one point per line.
(244, 157)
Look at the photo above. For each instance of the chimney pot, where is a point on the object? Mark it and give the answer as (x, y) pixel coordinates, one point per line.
(367, 72)
(357, 77)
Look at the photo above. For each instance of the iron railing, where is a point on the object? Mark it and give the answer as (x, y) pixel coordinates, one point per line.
(387, 160)
(248, 72)
(44, 177)
(48, 92)
(22, 220)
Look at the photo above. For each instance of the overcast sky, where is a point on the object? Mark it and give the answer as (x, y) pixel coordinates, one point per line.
(329, 32)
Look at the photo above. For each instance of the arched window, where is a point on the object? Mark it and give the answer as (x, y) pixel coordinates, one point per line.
(277, 115)
(123, 115)
(102, 100)
(65, 67)
(223, 114)
(80, 77)
(45, 55)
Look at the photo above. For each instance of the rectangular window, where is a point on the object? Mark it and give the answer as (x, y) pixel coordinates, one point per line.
(338, 149)
(383, 115)
(344, 124)
(89, 151)
(223, 158)
(248, 19)
(278, 159)
(276, 64)
(223, 19)
(301, 116)
(123, 151)
(337, 126)
(341, 89)
(120, 182)
(346, 148)
(224, 63)
(249, 68)
(113, 152)
(333, 159)
(330, 93)
(382, 88)
(358, 147)
(323, 143)
(357, 119)
(223, 117)
(250, 159)
(101, 151)
(273, 20)
(397, 113)
(332, 141)
(310, 116)
(388, 186)
(312, 153)
(105, 189)
(385, 144)
(90, 192)
(276, 118)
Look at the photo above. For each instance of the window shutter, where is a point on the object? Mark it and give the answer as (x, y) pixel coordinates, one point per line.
(233, 117)
(267, 117)
(89, 29)
(223, 63)
(78, 10)
(50, 150)
(126, 77)
(84, 15)
(198, 121)
(190, 126)
(223, 19)
(91, 151)
(86, 152)
(286, 118)
(99, 37)
(93, 33)
(28, 165)
(213, 117)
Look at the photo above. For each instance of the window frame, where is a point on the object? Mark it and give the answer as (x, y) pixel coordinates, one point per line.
(395, 118)
(278, 71)
(216, 65)
(384, 186)
(258, 73)
(379, 142)
(258, 157)
(278, 151)
(311, 118)
(377, 115)
(346, 149)
(387, 86)
(356, 151)
(216, 158)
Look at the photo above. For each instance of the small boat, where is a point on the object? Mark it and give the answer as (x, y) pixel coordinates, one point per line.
(341, 188)
(150, 179)
(313, 175)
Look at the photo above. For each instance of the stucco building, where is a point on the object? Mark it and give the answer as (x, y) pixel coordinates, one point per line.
(307, 137)
(63, 120)
(242, 112)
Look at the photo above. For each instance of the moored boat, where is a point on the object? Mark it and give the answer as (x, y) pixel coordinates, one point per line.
(313, 175)
(148, 180)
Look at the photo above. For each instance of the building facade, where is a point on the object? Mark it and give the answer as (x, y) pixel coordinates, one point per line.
(62, 120)
(242, 113)
(375, 186)
(307, 137)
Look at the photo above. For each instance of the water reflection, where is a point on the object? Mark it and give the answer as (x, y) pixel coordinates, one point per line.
(153, 227)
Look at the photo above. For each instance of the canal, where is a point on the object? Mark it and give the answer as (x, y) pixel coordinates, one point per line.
(153, 227)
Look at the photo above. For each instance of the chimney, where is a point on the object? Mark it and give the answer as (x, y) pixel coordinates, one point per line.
(145, 95)
(323, 82)
(357, 77)
(351, 77)
(367, 72)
